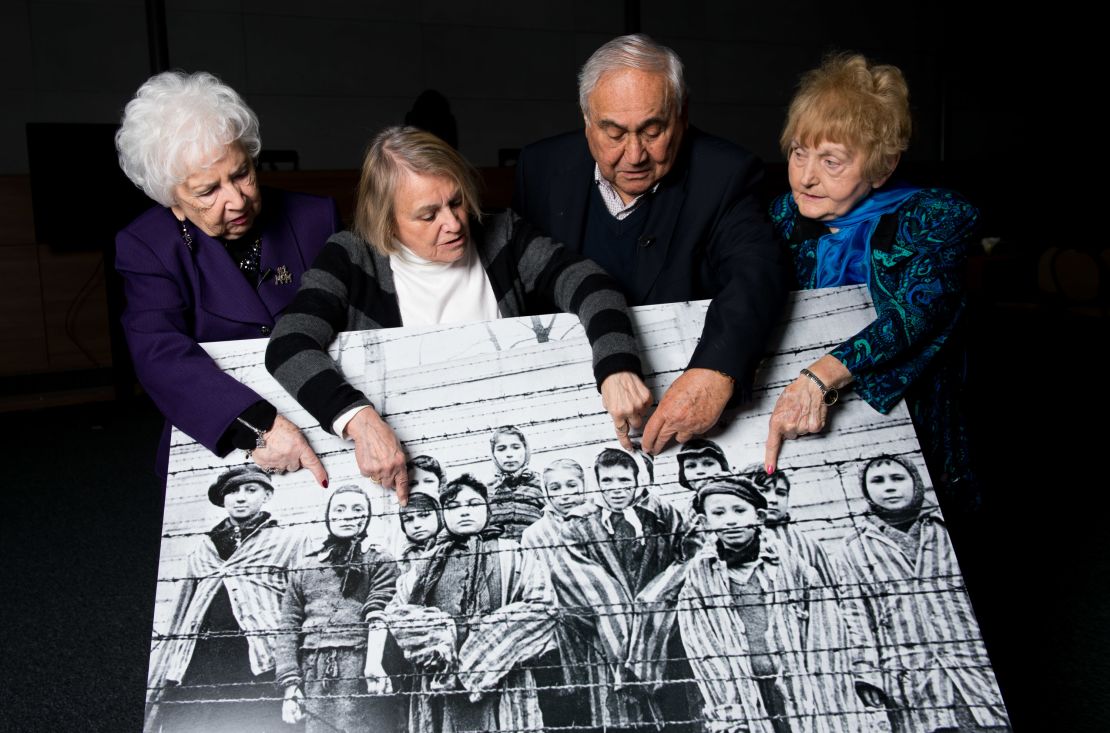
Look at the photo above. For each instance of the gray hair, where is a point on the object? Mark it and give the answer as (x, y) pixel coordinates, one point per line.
(179, 121)
(636, 51)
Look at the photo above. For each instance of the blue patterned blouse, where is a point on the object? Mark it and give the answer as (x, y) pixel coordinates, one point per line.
(918, 257)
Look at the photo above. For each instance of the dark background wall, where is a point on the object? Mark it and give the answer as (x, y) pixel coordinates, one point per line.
(324, 75)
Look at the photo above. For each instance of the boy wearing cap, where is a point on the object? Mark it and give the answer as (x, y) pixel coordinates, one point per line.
(220, 643)
(742, 612)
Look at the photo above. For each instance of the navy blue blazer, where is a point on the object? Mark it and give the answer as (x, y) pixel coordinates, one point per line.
(178, 297)
(706, 237)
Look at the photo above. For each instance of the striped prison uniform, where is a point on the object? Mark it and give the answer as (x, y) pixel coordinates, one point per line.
(828, 656)
(254, 576)
(912, 631)
(698, 597)
(350, 287)
(597, 603)
(488, 662)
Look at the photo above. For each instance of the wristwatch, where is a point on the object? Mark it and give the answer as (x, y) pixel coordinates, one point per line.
(828, 394)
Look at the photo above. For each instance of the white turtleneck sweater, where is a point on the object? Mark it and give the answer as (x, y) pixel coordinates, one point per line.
(430, 293)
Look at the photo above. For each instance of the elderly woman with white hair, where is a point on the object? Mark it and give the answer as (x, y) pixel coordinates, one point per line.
(209, 263)
(421, 254)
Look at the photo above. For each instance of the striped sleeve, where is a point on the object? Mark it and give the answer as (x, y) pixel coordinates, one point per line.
(552, 274)
(518, 631)
(297, 354)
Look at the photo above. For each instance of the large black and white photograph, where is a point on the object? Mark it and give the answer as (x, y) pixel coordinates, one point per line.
(543, 576)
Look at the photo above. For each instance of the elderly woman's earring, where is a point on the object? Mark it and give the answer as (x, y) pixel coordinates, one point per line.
(185, 236)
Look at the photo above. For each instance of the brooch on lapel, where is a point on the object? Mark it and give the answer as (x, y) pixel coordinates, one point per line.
(282, 276)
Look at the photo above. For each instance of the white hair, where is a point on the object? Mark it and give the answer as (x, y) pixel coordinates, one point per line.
(636, 51)
(178, 122)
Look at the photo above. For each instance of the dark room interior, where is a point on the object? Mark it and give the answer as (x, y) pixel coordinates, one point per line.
(81, 534)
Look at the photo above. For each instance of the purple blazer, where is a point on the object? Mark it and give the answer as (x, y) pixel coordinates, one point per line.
(177, 298)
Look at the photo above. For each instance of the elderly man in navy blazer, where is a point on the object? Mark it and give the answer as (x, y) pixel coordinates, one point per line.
(671, 213)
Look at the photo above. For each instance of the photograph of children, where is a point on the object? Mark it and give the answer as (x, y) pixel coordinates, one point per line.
(321, 648)
(221, 642)
(468, 618)
(583, 587)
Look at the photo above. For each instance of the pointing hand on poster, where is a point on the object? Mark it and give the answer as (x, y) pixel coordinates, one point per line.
(626, 398)
(803, 406)
(287, 450)
(378, 453)
(691, 406)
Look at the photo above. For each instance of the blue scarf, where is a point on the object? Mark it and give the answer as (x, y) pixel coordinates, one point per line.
(844, 258)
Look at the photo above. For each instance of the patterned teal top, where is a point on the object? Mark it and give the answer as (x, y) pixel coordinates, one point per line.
(918, 258)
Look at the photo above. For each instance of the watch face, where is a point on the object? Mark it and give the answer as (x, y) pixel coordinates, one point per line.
(831, 396)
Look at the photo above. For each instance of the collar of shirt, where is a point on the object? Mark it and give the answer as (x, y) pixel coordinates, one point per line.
(630, 516)
(613, 201)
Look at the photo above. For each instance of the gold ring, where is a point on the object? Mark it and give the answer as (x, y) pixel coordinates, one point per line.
(623, 429)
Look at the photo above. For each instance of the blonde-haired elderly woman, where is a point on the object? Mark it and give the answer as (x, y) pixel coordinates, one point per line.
(209, 263)
(421, 254)
(846, 223)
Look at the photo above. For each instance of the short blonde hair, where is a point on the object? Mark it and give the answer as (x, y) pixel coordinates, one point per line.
(852, 102)
(391, 152)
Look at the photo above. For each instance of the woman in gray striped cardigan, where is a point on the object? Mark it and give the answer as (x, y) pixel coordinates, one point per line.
(421, 254)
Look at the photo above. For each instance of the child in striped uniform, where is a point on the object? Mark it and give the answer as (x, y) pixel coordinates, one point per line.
(744, 614)
(827, 647)
(467, 617)
(915, 644)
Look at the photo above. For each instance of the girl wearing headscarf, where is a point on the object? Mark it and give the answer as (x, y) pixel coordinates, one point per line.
(467, 618)
(330, 595)
(421, 523)
(516, 493)
(915, 644)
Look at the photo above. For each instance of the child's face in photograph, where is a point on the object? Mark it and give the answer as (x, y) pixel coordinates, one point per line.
(564, 488)
(778, 500)
(508, 452)
(890, 485)
(700, 468)
(731, 518)
(348, 514)
(618, 486)
(419, 525)
(418, 477)
(245, 500)
(466, 513)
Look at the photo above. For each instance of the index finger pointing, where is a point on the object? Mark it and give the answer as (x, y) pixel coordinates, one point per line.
(401, 486)
(651, 432)
(311, 461)
(774, 445)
